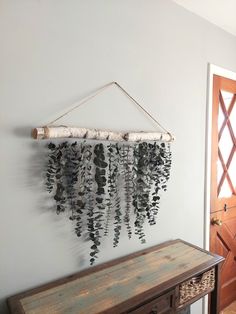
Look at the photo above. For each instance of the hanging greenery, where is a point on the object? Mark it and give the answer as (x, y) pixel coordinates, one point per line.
(104, 187)
(127, 163)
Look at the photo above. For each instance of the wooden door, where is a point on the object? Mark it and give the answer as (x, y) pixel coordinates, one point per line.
(223, 184)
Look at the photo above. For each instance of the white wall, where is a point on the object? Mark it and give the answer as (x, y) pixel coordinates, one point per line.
(55, 52)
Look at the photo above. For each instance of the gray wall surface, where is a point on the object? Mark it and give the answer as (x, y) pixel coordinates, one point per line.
(56, 52)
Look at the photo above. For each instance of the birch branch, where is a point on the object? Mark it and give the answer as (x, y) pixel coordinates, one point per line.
(49, 132)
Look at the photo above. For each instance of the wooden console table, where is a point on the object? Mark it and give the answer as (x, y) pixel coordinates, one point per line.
(162, 279)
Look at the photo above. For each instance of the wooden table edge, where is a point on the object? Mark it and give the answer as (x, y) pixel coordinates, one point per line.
(15, 306)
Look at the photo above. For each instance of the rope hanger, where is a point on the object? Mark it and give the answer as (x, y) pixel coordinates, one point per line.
(100, 90)
(51, 131)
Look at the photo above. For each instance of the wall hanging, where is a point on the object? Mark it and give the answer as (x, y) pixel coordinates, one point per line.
(107, 180)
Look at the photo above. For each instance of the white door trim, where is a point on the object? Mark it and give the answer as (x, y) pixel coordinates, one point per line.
(212, 69)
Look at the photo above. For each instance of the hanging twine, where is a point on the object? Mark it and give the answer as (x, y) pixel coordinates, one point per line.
(51, 131)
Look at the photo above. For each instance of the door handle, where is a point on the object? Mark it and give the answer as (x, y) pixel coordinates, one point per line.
(216, 221)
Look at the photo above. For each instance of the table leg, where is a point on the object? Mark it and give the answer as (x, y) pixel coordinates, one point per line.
(215, 294)
(185, 311)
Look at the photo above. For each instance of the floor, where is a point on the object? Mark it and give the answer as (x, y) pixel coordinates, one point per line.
(231, 309)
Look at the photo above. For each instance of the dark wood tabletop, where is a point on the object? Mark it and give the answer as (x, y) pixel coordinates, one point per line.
(121, 284)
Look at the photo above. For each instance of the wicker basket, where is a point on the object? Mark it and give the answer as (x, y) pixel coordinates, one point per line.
(196, 285)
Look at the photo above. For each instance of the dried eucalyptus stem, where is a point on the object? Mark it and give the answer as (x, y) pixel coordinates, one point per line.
(100, 178)
(127, 167)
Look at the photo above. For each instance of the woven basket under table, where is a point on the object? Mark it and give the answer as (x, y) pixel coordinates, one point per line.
(196, 285)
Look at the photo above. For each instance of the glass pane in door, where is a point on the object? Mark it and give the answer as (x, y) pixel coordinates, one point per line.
(226, 164)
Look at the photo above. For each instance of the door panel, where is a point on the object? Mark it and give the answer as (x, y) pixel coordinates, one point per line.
(223, 184)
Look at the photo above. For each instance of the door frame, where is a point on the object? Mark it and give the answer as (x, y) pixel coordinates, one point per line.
(212, 69)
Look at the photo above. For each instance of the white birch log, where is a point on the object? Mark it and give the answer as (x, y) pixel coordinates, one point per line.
(48, 132)
(148, 136)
